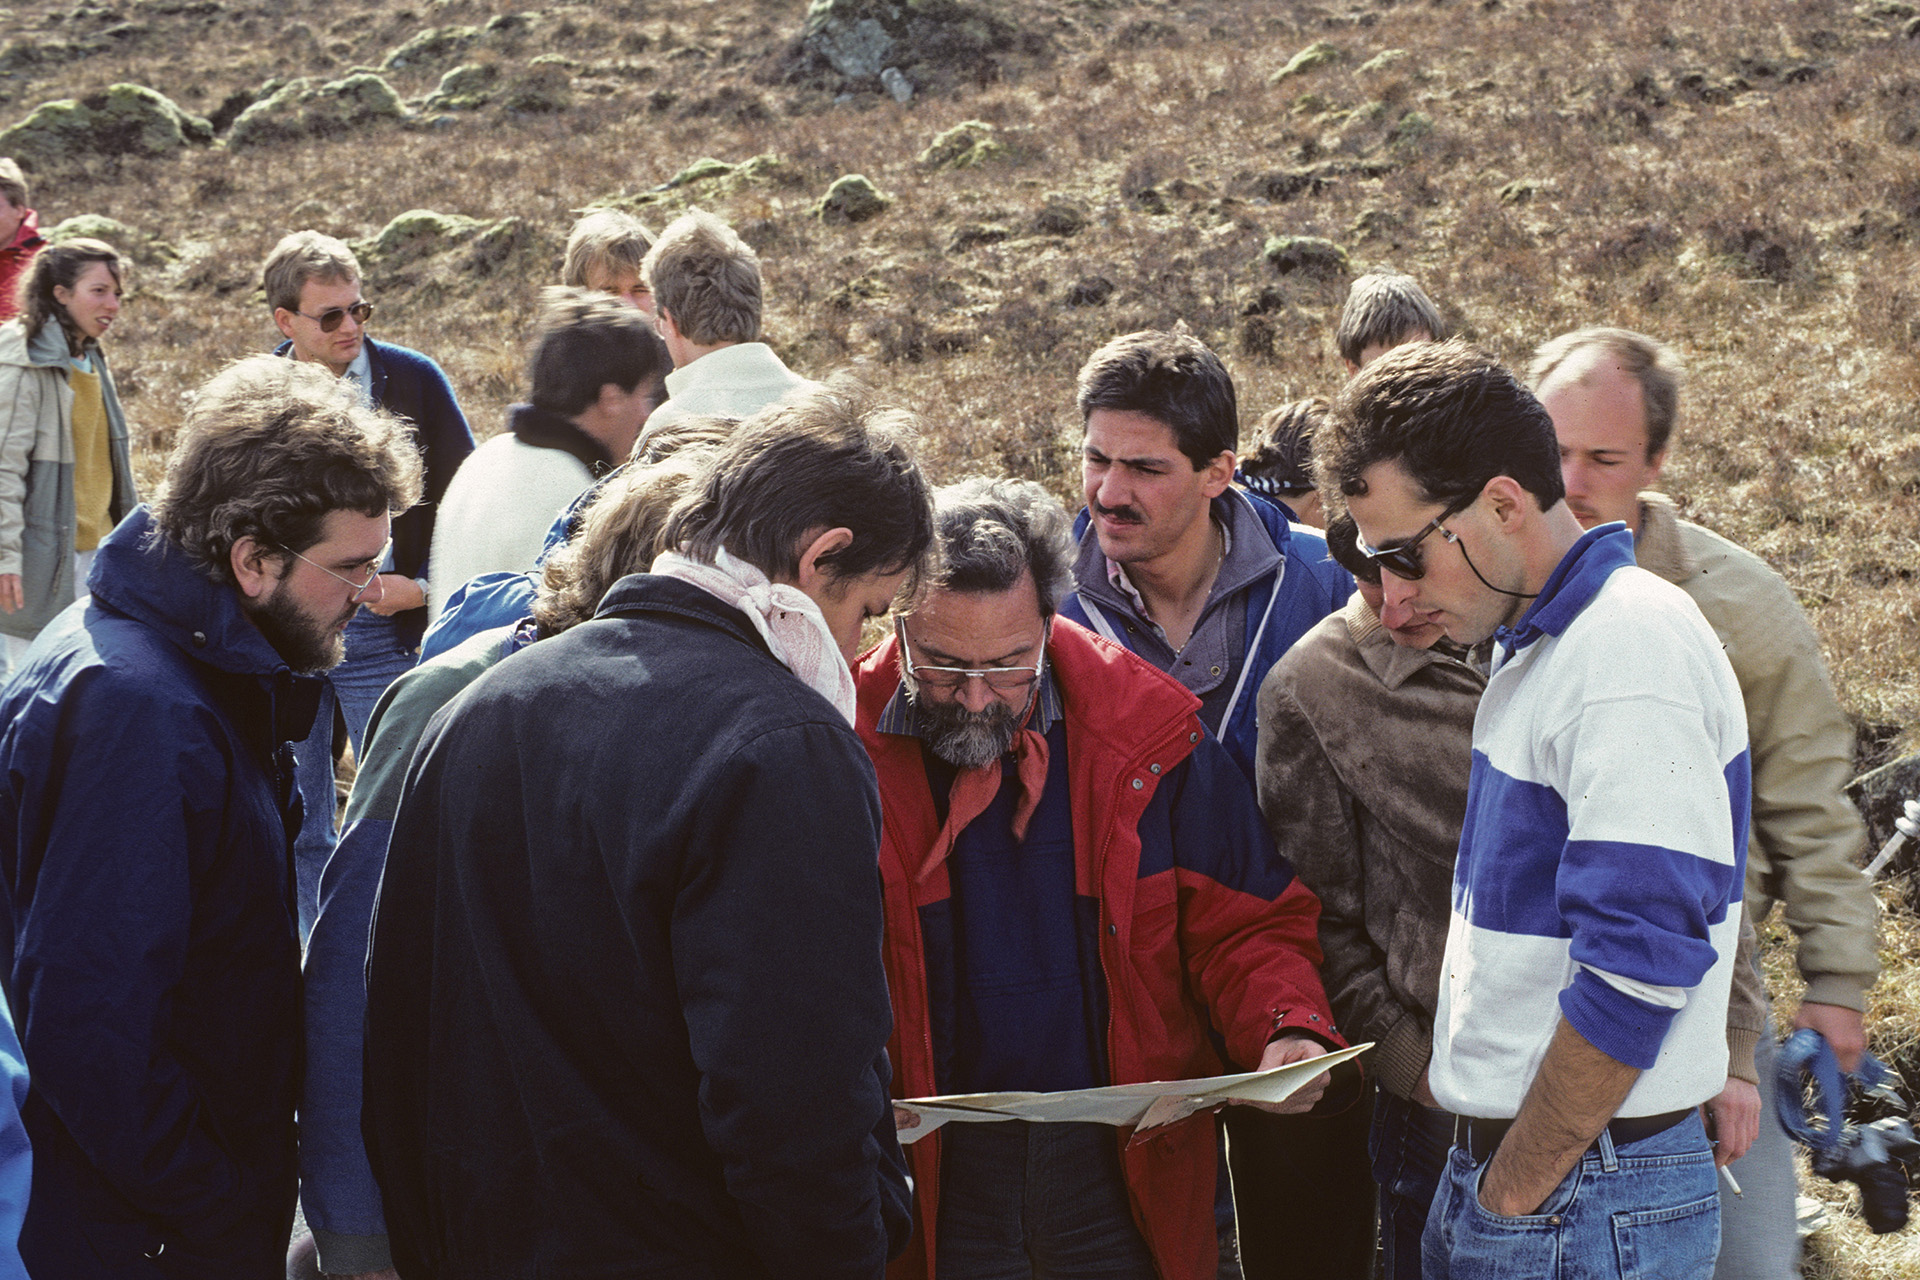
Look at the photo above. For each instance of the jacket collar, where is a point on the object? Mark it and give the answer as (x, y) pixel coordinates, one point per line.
(1659, 548)
(545, 429)
(29, 232)
(49, 348)
(639, 593)
(1392, 664)
(145, 575)
(370, 351)
(1572, 585)
(1257, 541)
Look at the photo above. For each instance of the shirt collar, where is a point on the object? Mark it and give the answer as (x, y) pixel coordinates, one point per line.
(901, 716)
(1572, 585)
(360, 374)
(1248, 556)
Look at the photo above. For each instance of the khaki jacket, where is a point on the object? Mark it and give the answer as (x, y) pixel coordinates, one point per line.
(1808, 840)
(1365, 750)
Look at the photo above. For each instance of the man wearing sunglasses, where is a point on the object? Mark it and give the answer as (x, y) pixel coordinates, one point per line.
(1613, 395)
(1079, 892)
(1366, 731)
(151, 956)
(1582, 1019)
(314, 287)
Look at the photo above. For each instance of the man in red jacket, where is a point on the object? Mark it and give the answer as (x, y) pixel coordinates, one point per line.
(19, 235)
(1079, 892)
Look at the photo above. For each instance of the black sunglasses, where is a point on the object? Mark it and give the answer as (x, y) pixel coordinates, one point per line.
(1404, 561)
(333, 317)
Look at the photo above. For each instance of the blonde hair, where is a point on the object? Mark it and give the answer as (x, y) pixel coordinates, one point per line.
(615, 242)
(300, 257)
(706, 278)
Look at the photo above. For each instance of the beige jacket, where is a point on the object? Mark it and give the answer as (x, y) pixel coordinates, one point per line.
(1365, 749)
(1808, 840)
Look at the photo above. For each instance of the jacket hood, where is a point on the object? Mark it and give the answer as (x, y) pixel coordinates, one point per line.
(146, 576)
(47, 350)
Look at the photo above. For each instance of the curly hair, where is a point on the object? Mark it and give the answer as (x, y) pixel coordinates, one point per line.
(60, 266)
(270, 448)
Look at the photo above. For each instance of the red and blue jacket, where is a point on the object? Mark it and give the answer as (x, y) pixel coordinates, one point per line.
(1202, 941)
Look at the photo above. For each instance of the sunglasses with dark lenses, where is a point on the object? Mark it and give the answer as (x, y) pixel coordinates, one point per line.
(1404, 561)
(333, 317)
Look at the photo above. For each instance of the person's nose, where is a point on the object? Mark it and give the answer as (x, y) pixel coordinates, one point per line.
(1574, 474)
(974, 694)
(1396, 597)
(1395, 614)
(374, 592)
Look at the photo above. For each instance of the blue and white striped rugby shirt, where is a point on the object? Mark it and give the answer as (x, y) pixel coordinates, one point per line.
(1603, 856)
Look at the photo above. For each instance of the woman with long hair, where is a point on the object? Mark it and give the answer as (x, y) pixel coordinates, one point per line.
(66, 476)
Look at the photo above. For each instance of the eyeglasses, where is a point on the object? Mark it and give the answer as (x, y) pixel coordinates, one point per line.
(998, 679)
(359, 588)
(333, 317)
(1404, 561)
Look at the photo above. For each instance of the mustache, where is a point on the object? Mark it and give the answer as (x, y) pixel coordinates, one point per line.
(1126, 515)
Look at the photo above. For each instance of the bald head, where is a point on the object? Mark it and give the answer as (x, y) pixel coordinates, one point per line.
(1598, 405)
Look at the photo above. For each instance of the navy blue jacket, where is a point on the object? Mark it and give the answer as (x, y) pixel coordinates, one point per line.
(407, 383)
(1306, 587)
(153, 963)
(626, 1011)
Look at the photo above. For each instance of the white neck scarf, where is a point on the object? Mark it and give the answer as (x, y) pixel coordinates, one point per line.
(786, 618)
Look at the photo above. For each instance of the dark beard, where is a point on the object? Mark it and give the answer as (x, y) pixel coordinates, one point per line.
(966, 739)
(306, 647)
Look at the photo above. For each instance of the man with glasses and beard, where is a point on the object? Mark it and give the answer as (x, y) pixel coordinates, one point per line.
(314, 287)
(1079, 892)
(1582, 1013)
(152, 954)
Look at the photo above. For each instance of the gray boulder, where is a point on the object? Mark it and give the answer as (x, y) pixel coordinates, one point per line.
(859, 39)
(144, 249)
(467, 87)
(1309, 255)
(435, 46)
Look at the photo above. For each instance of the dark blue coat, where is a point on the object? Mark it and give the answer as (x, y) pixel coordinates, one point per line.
(405, 382)
(153, 965)
(626, 1013)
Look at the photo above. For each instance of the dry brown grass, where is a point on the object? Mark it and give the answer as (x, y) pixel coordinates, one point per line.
(1741, 180)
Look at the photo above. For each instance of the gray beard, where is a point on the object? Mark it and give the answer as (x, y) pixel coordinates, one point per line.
(965, 739)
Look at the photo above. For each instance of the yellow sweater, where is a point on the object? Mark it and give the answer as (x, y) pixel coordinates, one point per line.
(92, 461)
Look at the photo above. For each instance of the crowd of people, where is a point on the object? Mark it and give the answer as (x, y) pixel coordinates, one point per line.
(722, 787)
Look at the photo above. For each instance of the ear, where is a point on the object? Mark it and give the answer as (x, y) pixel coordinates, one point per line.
(1217, 474)
(256, 570)
(63, 295)
(812, 576)
(1509, 502)
(1352, 368)
(663, 321)
(283, 321)
(1658, 462)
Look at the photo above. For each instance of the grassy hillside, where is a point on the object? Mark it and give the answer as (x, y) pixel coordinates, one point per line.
(1743, 181)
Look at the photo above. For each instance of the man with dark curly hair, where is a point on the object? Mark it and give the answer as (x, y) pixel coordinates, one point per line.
(151, 952)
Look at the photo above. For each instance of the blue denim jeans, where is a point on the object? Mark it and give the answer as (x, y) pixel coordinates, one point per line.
(375, 659)
(1023, 1201)
(1408, 1145)
(1646, 1210)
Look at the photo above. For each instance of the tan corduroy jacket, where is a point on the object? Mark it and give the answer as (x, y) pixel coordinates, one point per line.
(1365, 748)
(1808, 838)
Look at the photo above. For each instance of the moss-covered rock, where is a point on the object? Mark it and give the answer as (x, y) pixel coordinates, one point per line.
(144, 249)
(1381, 61)
(432, 47)
(467, 87)
(852, 199)
(969, 143)
(544, 86)
(1060, 217)
(1318, 54)
(705, 169)
(301, 109)
(1309, 255)
(419, 233)
(123, 119)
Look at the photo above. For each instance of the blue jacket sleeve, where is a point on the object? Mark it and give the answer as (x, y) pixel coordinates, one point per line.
(101, 943)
